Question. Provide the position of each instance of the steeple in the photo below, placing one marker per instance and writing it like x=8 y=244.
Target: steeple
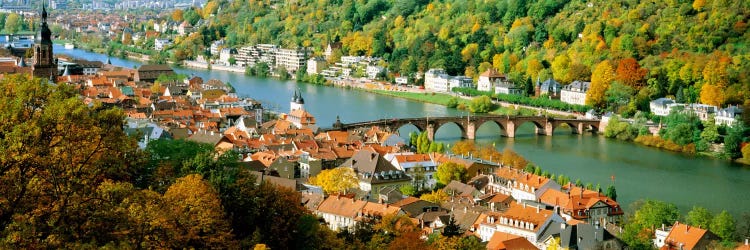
x=299 y=98
x=46 y=34
x=44 y=62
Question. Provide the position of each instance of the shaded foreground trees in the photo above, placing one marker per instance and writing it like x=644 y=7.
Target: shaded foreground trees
x=71 y=178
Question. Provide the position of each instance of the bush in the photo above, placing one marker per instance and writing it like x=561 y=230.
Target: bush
x=453 y=102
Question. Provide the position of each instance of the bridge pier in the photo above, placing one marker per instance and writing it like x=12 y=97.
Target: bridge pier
x=579 y=129
x=430 y=132
x=510 y=129
x=549 y=128
x=470 y=131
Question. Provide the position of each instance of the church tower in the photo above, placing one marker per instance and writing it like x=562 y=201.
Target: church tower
x=44 y=62
x=297 y=102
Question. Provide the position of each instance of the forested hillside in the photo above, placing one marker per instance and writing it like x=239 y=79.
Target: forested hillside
x=692 y=50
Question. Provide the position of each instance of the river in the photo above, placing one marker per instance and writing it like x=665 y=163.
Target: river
x=640 y=172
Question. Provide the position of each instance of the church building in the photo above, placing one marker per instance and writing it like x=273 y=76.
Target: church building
x=297 y=114
x=44 y=62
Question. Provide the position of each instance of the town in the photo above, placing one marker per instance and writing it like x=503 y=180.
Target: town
x=363 y=185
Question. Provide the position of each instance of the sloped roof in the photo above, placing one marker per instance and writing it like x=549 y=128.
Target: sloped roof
x=685 y=235
x=342 y=206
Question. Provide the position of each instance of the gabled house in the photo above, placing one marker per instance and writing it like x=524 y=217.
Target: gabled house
x=489 y=78
x=375 y=173
x=575 y=92
x=419 y=167
x=550 y=88
x=586 y=236
x=661 y=106
x=728 y=116
x=341 y=212
x=521 y=220
x=683 y=237
x=583 y=205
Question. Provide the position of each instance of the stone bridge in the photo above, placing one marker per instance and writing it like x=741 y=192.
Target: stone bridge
x=469 y=124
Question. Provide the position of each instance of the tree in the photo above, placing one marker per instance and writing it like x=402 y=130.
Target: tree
x=648 y=215
x=13 y=23
x=177 y=15
x=55 y=151
x=451 y=229
x=612 y=192
x=336 y=180
x=435 y=196
x=198 y=220
x=712 y=95
x=408 y=190
x=481 y=104
x=452 y=103
x=733 y=140
x=723 y=225
x=746 y=152
x=450 y=171
x=630 y=73
x=618 y=94
x=600 y=81
x=699 y=217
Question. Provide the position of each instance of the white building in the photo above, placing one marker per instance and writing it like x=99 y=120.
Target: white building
x=160 y=44
x=508 y=89
x=315 y=65
x=216 y=47
x=661 y=106
x=575 y=92
x=728 y=116
x=374 y=71
x=347 y=61
x=226 y=54
x=436 y=80
x=291 y=59
x=488 y=79
x=521 y=220
x=413 y=165
x=460 y=82
x=402 y=80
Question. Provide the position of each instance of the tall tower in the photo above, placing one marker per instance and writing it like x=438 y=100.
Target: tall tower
x=44 y=62
x=297 y=102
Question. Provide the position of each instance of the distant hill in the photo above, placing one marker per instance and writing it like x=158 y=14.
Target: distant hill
x=658 y=48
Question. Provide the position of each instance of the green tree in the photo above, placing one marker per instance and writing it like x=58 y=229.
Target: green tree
x=13 y=23
x=618 y=95
x=639 y=228
x=452 y=103
x=451 y=229
x=733 y=140
x=611 y=192
x=481 y=104
x=699 y=217
x=408 y=190
x=723 y=225
x=450 y=171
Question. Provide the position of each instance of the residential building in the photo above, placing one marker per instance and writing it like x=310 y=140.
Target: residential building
x=575 y=92
x=375 y=173
x=728 y=116
x=488 y=79
x=661 y=106
x=329 y=49
x=703 y=111
x=150 y=72
x=550 y=88
x=584 y=205
x=226 y=54
x=436 y=80
x=316 y=65
x=520 y=185
x=402 y=80
x=291 y=59
x=504 y=241
x=216 y=47
x=684 y=237
x=419 y=167
x=161 y=43
x=460 y=82
x=583 y=236
x=374 y=71
x=341 y=212
x=508 y=89
x=89 y=67
x=521 y=220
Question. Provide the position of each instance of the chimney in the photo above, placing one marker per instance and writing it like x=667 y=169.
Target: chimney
x=662 y=226
x=747 y=241
x=537 y=208
x=562 y=226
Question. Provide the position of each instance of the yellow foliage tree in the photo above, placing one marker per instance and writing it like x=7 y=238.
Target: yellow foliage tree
x=715 y=73
x=533 y=67
x=210 y=8
x=699 y=4
x=560 y=68
x=336 y=180
x=601 y=78
x=435 y=197
x=468 y=52
x=197 y=218
x=712 y=95
x=177 y=15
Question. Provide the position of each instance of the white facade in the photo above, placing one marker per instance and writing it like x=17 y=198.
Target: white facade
x=661 y=106
x=337 y=222
x=436 y=80
x=315 y=66
x=291 y=59
x=728 y=116
x=408 y=166
x=225 y=54
x=460 y=82
x=575 y=93
x=484 y=84
x=373 y=71
x=159 y=44
x=402 y=80
x=347 y=61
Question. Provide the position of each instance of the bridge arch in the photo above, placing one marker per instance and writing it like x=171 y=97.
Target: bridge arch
x=539 y=125
x=503 y=131
x=442 y=124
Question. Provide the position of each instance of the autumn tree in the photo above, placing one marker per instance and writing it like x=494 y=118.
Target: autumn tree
x=177 y=15
x=481 y=104
x=630 y=73
x=511 y=158
x=196 y=215
x=450 y=171
x=435 y=196
x=712 y=95
x=54 y=153
x=600 y=80
x=336 y=180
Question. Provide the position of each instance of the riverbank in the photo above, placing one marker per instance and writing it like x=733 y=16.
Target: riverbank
x=204 y=65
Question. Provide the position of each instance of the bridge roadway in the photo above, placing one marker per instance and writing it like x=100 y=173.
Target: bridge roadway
x=469 y=124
